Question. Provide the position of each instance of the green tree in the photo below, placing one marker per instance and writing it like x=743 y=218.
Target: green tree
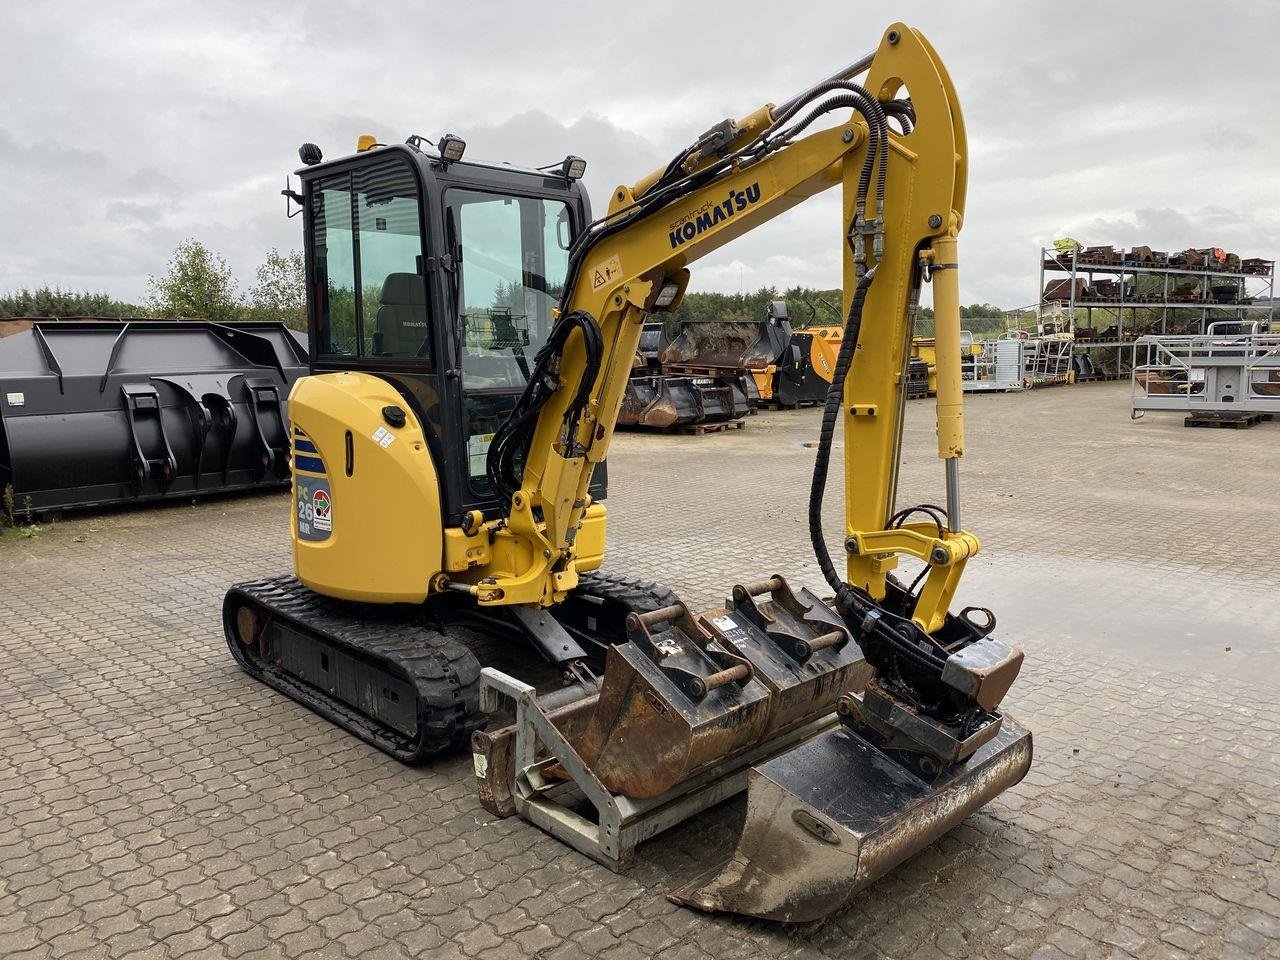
x=280 y=290
x=197 y=283
x=55 y=302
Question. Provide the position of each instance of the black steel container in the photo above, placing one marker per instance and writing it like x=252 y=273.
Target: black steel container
x=98 y=412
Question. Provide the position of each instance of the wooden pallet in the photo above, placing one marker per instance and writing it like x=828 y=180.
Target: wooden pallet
x=775 y=405
x=698 y=429
x=1228 y=421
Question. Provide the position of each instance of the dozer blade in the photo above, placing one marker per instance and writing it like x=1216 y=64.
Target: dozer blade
x=828 y=817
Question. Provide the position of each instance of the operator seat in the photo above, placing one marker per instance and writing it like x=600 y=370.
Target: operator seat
x=401 y=327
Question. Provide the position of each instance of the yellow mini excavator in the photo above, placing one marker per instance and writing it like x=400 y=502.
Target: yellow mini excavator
x=472 y=331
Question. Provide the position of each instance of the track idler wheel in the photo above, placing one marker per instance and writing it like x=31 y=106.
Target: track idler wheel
x=248 y=626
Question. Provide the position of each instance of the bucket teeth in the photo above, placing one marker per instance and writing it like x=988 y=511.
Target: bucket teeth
x=830 y=816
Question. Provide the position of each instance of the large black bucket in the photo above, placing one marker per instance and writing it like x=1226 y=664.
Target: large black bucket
x=99 y=412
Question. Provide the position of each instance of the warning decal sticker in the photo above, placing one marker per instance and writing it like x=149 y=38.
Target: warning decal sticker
x=323 y=510
x=610 y=270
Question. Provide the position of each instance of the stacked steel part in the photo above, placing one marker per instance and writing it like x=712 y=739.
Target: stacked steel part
x=710 y=373
x=663 y=400
x=653 y=341
x=101 y=412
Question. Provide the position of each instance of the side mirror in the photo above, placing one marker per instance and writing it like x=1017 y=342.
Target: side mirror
x=564 y=238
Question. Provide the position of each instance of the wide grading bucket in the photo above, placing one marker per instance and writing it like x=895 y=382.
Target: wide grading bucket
x=100 y=411
x=829 y=817
x=704 y=375
x=667 y=400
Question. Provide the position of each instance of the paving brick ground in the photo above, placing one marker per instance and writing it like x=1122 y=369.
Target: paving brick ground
x=156 y=802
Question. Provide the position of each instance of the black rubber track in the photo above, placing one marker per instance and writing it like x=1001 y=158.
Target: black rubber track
x=437 y=659
x=596 y=611
x=398 y=640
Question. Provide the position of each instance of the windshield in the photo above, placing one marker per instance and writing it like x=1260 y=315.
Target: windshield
x=513 y=260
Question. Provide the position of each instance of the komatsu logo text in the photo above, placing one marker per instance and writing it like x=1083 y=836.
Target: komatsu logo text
x=710 y=214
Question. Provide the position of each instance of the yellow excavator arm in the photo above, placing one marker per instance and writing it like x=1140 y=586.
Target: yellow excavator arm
x=634 y=261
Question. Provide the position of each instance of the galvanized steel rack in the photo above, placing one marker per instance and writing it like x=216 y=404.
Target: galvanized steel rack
x=1113 y=298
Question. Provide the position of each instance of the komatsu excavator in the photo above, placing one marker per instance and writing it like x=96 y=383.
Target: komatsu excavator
x=472 y=331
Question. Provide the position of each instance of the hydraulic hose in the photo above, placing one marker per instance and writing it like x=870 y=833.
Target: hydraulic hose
x=510 y=443
x=830 y=414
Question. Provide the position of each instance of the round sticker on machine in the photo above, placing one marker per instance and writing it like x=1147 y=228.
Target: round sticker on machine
x=323 y=510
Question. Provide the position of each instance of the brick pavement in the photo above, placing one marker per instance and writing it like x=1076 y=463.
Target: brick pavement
x=156 y=802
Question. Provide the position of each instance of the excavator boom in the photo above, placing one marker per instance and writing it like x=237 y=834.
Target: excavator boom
x=920 y=744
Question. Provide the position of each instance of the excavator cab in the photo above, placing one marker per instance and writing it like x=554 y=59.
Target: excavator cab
x=439 y=277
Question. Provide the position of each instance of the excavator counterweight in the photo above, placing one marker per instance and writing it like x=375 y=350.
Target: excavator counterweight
x=473 y=338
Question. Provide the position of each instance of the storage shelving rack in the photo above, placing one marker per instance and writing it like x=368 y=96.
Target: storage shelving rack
x=1144 y=299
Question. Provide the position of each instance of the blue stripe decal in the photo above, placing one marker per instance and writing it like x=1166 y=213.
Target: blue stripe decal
x=313 y=464
x=305 y=446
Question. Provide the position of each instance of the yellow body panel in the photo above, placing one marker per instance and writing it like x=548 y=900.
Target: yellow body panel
x=764 y=381
x=823 y=347
x=385 y=541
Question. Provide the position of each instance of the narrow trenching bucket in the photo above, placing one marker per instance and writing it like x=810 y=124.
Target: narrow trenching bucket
x=105 y=411
x=829 y=817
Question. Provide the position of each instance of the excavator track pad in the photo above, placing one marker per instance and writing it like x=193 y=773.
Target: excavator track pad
x=383 y=673
x=403 y=678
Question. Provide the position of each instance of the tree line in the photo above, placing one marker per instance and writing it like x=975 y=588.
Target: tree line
x=809 y=307
x=196 y=283
x=199 y=283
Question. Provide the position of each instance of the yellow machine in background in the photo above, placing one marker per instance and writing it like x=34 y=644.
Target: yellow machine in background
x=473 y=331
x=803 y=376
x=926 y=350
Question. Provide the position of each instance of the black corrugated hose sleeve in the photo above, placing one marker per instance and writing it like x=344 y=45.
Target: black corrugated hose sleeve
x=830 y=413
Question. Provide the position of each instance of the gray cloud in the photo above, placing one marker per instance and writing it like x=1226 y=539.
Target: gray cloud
x=126 y=128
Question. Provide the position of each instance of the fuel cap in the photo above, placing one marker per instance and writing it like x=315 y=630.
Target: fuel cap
x=394 y=416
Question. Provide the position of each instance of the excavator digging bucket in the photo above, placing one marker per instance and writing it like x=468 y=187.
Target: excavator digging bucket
x=666 y=401
x=726 y=345
x=687 y=693
x=830 y=816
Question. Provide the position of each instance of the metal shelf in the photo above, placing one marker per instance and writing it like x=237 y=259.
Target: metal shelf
x=1161 y=304
x=1124 y=315
x=1053 y=263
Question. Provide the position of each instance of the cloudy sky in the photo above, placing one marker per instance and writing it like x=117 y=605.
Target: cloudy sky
x=127 y=127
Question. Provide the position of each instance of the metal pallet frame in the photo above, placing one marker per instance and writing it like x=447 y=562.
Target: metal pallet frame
x=1209 y=310
x=621 y=823
x=1167 y=370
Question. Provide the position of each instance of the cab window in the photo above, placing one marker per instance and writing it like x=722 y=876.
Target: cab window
x=367 y=236
x=513 y=254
